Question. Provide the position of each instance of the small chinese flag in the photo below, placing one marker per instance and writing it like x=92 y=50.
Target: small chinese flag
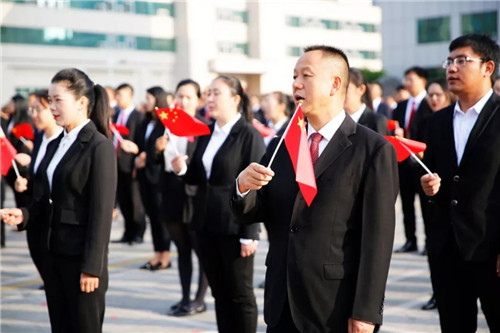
x=7 y=153
x=392 y=124
x=180 y=123
x=298 y=148
x=23 y=130
x=123 y=130
x=262 y=129
x=404 y=146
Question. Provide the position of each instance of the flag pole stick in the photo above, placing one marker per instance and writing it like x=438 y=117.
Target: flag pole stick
x=24 y=141
x=170 y=136
x=115 y=132
x=283 y=136
x=14 y=165
x=417 y=159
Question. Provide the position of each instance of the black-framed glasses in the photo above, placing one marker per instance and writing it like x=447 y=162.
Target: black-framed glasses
x=459 y=61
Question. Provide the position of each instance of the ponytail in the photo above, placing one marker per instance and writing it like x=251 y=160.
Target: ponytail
x=100 y=112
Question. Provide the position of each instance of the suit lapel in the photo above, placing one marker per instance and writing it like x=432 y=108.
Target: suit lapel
x=336 y=146
x=484 y=118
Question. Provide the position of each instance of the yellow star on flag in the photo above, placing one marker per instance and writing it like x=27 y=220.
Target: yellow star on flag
x=300 y=123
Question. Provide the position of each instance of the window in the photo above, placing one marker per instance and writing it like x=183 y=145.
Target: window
x=67 y=37
x=312 y=22
x=483 y=23
x=433 y=30
x=226 y=14
x=294 y=51
x=233 y=48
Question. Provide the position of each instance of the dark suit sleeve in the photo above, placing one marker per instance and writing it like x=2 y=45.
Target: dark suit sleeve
x=102 y=193
x=381 y=124
x=378 y=221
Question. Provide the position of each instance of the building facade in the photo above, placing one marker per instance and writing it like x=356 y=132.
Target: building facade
x=419 y=33
x=148 y=43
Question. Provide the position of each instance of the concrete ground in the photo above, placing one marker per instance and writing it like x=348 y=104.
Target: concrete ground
x=138 y=300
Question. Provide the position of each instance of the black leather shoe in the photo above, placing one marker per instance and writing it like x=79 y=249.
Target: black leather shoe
x=262 y=285
x=410 y=246
x=430 y=305
x=121 y=240
x=200 y=308
x=136 y=240
x=183 y=311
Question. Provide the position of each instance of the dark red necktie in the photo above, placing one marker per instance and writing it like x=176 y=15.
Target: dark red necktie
x=412 y=114
x=315 y=139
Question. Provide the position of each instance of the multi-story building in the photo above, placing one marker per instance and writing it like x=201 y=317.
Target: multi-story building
x=150 y=43
x=419 y=33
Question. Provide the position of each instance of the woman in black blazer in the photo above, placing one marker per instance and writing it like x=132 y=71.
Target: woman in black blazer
x=226 y=247
x=73 y=194
x=44 y=122
x=177 y=204
x=148 y=176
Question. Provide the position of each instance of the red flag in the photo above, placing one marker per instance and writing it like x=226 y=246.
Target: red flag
x=263 y=130
x=123 y=130
x=298 y=148
x=23 y=130
x=392 y=125
x=400 y=143
x=7 y=153
x=180 y=123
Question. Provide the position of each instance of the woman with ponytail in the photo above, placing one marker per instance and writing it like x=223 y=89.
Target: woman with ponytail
x=226 y=247
x=73 y=197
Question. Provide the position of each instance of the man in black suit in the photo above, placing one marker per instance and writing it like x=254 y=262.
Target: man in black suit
x=379 y=106
x=327 y=264
x=128 y=195
x=463 y=141
x=410 y=115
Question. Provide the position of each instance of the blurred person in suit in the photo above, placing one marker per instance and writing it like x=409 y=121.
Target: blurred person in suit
x=73 y=196
x=276 y=110
x=463 y=236
x=379 y=106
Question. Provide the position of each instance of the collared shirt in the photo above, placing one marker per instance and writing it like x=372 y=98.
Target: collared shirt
x=218 y=137
x=43 y=149
x=122 y=119
x=62 y=149
x=463 y=122
x=356 y=115
x=177 y=145
x=275 y=127
x=376 y=102
x=417 y=99
x=149 y=129
x=327 y=131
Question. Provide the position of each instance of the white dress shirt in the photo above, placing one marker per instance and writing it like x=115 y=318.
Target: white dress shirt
x=62 y=149
x=122 y=119
x=463 y=122
x=327 y=131
x=177 y=145
x=356 y=115
x=375 y=103
x=149 y=129
x=417 y=99
x=275 y=127
x=43 y=149
x=218 y=137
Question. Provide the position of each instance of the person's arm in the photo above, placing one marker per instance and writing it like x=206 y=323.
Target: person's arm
x=380 y=190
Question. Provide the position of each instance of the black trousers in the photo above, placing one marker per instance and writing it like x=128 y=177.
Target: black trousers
x=457 y=286
x=231 y=279
x=37 y=248
x=152 y=201
x=408 y=188
x=286 y=323
x=71 y=310
x=129 y=201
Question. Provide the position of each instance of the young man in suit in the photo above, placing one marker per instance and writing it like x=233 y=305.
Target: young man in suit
x=410 y=114
x=379 y=106
x=128 y=195
x=327 y=264
x=463 y=238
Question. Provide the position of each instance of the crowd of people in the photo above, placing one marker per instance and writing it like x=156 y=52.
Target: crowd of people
x=328 y=261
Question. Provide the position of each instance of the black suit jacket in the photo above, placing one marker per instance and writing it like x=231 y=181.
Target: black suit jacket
x=78 y=211
x=467 y=205
x=374 y=121
x=126 y=160
x=416 y=127
x=212 y=213
x=332 y=258
x=152 y=171
x=384 y=110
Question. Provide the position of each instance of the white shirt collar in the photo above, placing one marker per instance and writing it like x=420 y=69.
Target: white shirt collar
x=356 y=115
x=129 y=109
x=44 y=138
x=328 y=131
x=417 y=99
x=478 y=107
x=228 y=126
x=276 y=127
x=74 y=132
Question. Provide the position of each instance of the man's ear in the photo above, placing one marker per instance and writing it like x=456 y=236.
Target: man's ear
x=489 y=68
x=336 y=84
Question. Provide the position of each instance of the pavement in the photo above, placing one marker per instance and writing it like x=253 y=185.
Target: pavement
x=138 y=300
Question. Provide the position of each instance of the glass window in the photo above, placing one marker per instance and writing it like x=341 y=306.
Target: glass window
x=483 y=23
x=293 y=21
x=226 y=14
x=294 y=51
x=433 y=30
x=232 y=48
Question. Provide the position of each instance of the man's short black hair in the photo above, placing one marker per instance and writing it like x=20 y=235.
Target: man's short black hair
x=329 y=50
x=421 y=72
x=482 y=45
x=125 y=85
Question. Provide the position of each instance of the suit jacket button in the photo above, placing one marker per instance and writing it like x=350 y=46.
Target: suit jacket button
x=294 y=229
x=454 y=202
x=456 y=178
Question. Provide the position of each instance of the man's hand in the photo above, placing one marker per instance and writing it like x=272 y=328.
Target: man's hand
x=129 y=147
x=430 y=184
x=12 y=216
x=399 y=132
x=29 y=144
x=140 y=161
x=254 y=177
x=88 y=283
x=359 y=326
x=21 y=184
x=179 y=163
x=23 y=159
x=161 y=143
x=248 y=249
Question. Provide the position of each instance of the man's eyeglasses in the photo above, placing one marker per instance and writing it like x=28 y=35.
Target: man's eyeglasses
x=460 y=61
